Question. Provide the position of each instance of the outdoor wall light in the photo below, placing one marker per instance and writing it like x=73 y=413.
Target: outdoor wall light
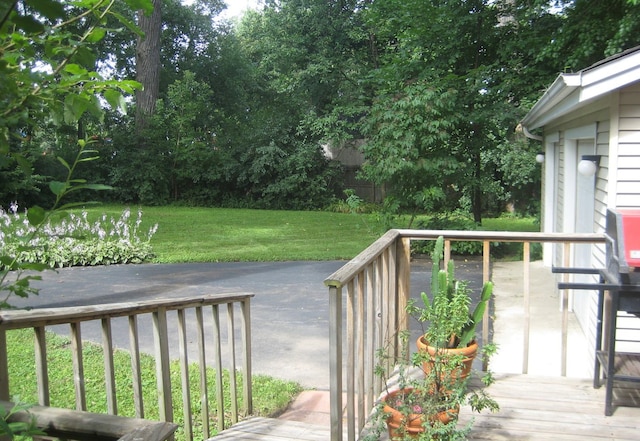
x=588 y=165
x=540 y=157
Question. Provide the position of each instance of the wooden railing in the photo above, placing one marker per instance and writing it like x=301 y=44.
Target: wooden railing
x=198 y=331
x=77 y=425
x=373 y=289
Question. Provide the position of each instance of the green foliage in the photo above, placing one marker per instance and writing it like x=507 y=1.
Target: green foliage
x=72 y=240
x=448 y=221
x=16 y=428
x=48 y=67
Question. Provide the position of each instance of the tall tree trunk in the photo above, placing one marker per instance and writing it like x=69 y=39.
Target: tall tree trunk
x=148 y=64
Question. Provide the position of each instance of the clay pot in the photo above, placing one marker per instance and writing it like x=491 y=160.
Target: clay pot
x=468 y=354
x=400 y=425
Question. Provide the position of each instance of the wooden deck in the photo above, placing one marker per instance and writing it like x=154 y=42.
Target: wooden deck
x=532 y=408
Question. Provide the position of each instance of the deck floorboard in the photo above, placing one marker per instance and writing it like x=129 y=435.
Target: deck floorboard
x=531 y=408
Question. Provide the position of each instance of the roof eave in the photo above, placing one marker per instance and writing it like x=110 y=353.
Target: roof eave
x=561 y=88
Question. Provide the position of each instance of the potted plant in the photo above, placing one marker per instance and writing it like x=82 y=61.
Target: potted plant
x=424 y=405
x=451 y=325
x=426 y=391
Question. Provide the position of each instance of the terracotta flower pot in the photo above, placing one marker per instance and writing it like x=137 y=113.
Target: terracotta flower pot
x=468 y=354
x=400 y=425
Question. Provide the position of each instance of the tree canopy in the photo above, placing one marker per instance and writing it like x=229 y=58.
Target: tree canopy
x=430 y=91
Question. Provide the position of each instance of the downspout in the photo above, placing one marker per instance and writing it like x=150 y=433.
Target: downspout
x=527 y=133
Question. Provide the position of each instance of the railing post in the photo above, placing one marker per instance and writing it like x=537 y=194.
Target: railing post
x=335 y=361
x=351 y=360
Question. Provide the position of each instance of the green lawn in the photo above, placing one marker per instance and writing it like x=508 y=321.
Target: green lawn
x=222 y=235
x=188 y=234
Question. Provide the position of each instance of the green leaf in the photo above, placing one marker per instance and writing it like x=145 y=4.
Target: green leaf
x=58 y=188
x=74 y=106
x=71 y=205
x=115 y=100
x=62 y=161
x=99 y=187
x=35 y=266
x=49 y=8
x=28 y=24
x=96 y=35
x=36 y=215
x=145 y=5
x=128 y=23
x=75 y=69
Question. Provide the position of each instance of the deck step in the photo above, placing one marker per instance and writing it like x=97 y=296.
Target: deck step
x=270 y=429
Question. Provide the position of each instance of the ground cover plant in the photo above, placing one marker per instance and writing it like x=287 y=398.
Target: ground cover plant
x=70 y=239
x=270 y=395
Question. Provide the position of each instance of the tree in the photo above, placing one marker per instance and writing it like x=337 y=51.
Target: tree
x=48 y=72
x=592 y=30
x=148 y=63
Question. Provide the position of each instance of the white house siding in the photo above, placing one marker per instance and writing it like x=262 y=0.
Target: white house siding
x=559 y=185
x=628 y=185
x=628 y=178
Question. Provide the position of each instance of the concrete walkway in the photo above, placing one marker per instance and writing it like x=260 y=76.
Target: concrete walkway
x=312 y=407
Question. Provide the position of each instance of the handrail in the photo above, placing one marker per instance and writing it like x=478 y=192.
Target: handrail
x=208 y=351
x=21 y=318
x=348 y=271
x=373 y=289
x=78 y=425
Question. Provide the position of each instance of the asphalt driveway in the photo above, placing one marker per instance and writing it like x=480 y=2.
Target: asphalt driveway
x=289 y=313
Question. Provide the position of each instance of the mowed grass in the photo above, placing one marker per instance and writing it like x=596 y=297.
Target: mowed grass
x=226 y=235
x=270 y=395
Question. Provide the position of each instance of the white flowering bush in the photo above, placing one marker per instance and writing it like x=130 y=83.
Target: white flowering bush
x=72 y=240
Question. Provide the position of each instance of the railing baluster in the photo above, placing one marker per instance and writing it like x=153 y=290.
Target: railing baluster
x=231 y=342
x=109 y=371
x=360 y=331
x=184 y=374
x=351 y=356
x=566 y=253
x=42 y=373
x=486 y=273
x=245 y=307
x=202 y=360
x=163 y=371
x=370 y=341
x=78 y=366
x=4 y=367
x=527 y=306
x=136 y=373
x=217 y=353
x=403 y=275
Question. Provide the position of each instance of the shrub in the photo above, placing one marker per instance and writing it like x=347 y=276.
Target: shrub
x=72 y=240
x=449 y=221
